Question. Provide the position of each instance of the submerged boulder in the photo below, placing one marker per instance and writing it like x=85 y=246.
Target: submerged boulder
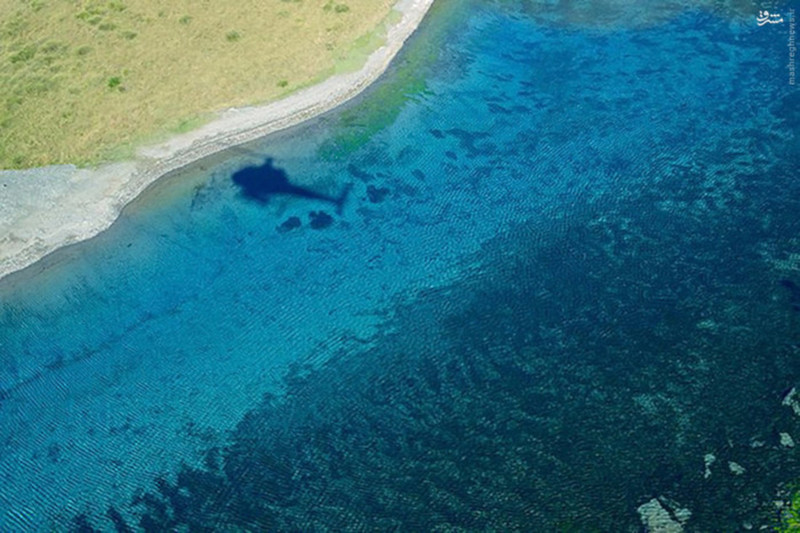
x=658 y=518
x=289 y=224
x=320 y=219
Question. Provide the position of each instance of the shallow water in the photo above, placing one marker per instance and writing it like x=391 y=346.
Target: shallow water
x=555 y=287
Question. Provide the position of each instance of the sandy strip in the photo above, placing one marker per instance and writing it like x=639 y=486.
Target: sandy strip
x=44 y=209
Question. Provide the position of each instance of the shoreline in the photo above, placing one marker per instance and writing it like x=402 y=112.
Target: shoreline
x=48 y=208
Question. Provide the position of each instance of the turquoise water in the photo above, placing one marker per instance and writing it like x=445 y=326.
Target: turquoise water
x=566 y=273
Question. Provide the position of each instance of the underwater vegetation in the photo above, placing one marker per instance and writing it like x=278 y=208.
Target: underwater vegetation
x=790 y=516
x=576 y=369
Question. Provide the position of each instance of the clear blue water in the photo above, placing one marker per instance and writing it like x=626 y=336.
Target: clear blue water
x=567 y=270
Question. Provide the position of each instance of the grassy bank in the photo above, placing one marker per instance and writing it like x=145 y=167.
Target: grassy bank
x=83 y=81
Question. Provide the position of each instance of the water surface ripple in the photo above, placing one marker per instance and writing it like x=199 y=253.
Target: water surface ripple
x=563 y=279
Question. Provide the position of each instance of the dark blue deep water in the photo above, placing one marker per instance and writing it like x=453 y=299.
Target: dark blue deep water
x=564 y=281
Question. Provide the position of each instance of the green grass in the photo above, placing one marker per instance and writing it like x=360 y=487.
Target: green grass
x=355 y=55
x=85 y=80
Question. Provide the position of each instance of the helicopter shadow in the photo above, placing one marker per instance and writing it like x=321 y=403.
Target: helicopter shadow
x=260 y=183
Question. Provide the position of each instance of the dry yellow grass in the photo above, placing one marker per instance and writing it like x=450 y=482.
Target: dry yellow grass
x=82 y=81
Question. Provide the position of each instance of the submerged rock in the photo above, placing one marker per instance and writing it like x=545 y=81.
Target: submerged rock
x=735 y=468
x=376 y=194
x=657 y=518
x=358 y=173
x=289 y=224
x=790 y=400
x=708 y=460
x=320 y=219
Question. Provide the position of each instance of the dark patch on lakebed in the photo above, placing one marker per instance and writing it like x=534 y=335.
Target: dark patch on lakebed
x=289 y=224
x=376 y=194
x=794 y=293
x=320 y=220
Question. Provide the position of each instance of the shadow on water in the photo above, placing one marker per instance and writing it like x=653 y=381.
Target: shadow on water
x=794 y=293
x=259 y=183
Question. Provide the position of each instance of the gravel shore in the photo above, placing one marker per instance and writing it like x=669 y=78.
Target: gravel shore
x=44 y=209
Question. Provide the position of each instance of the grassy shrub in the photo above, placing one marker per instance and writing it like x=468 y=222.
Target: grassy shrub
x=24 y=55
